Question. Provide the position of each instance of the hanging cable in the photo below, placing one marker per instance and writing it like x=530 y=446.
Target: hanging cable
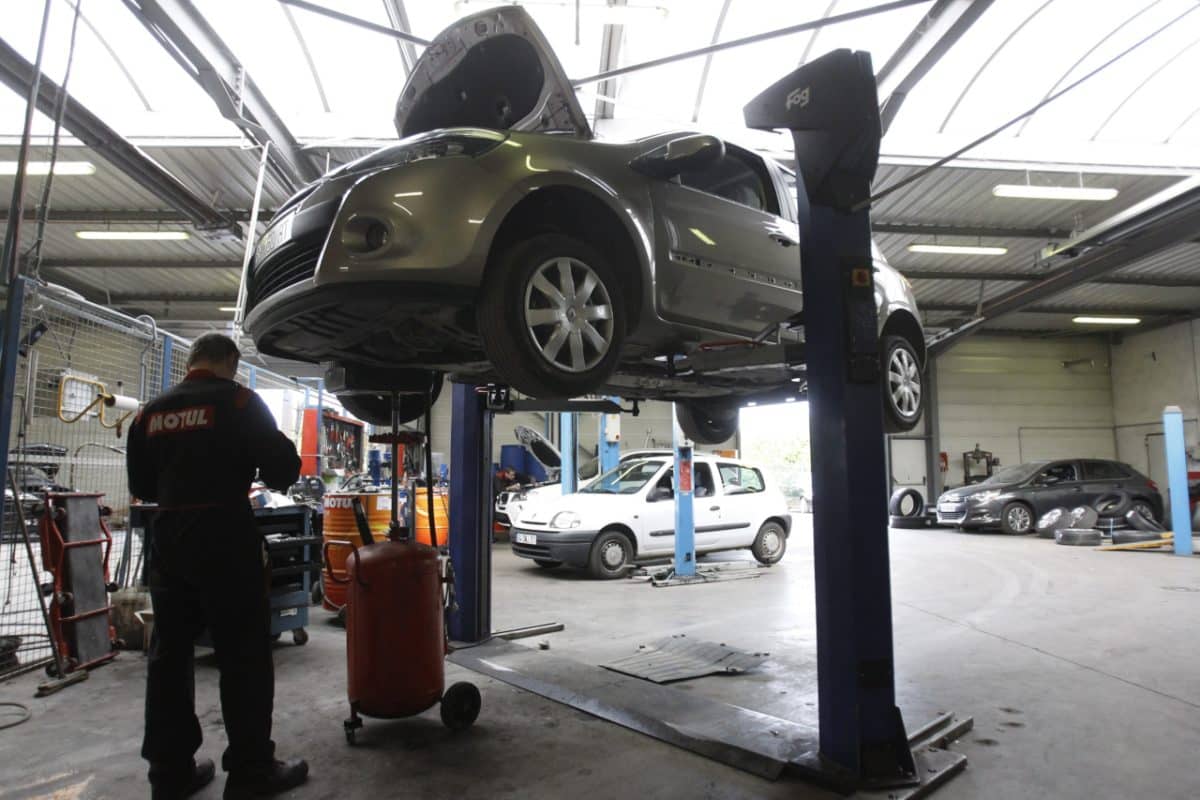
x=941 y=162
x=22 y=714
x=33 y=255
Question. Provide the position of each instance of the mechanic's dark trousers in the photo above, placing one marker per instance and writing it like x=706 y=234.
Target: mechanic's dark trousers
x=207 y=570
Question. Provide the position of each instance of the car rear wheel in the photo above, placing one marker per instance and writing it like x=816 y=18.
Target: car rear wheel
x=707 y=422
x=902 y=388
x=1016 y=519
x=770 y=544
x=552 y=316
x=1146 y=510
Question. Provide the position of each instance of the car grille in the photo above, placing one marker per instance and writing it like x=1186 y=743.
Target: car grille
x=292 y=263
x=531 y=550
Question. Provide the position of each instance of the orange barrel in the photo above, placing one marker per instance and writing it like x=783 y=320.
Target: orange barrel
x=395 y=642
x=341 y=531
x=441 y=516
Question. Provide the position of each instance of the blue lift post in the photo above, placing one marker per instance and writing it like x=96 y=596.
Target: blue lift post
x=568 y=445
x=1177 y=479
x=831 y=108
x=167 y=356
x=685 y=523
x=10 y=348
x=471 y=514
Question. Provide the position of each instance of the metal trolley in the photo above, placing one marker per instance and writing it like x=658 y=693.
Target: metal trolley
x=292 y=549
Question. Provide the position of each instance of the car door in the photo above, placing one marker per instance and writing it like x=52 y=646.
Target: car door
x=1101 y=477
x=1057 y=485
x=727 y=257
x=742 y=488
x=658 y=516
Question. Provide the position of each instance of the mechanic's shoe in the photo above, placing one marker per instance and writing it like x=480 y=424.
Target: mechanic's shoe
x=202 y=775
x=274 y=779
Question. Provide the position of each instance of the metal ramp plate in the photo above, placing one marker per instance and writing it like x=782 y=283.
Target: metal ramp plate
x=677 y=658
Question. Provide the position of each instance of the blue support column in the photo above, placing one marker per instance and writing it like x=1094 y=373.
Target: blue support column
x=168 y=354
x=1177 y=478
x=9 y=355
x=610 y=452
x=685 y=522
x=252 y=378
x=471 y=514
x=567 y=446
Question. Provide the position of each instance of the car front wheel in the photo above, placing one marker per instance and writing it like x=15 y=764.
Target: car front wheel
x=902 y=388
x=1016 y=519
x=770 y=544
x=612 y=555
x=552 y=316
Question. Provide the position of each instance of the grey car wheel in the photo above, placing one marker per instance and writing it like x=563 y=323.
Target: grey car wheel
x=612 y=554
x=1016 y=518
x=569 y=314
x=902 y=388
x=770 y=544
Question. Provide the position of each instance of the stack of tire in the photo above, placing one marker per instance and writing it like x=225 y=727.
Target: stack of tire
x=907 y=510
x=1085 y=526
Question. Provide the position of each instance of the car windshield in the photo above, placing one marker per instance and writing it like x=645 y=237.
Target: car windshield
x=1014 y=474
x=626 y=478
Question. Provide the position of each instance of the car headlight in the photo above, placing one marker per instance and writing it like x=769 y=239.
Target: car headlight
x=986 y=497
x=565 y=519
x=519 y=496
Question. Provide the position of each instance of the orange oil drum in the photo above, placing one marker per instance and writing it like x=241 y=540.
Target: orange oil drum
x=441 y=516
x=395 y=639
x=341 y=532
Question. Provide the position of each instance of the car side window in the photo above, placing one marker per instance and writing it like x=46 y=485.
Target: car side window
x=703 y=481
x=1103 y=471
x=1058 y=473
x=737 y=179
x=740 y=480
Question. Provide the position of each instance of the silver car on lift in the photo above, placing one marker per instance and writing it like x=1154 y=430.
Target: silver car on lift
x=498 y=240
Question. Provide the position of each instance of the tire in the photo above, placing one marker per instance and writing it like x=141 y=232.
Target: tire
x=611 y=556
x=299 y=637
x=707 y=423
x=546 y=563
x=1078 y=537
x=910 y=523
x=1053 y=520
x=770 y=544
x=1139 y=522
x=460 y=706
x=376 y=409
x=1113 y=504
x=1016 y=519
x=896 y=506
x=519 y=322
x=1137 y=537
x=1083 y=517
x=903 y=390
x=1145 y=509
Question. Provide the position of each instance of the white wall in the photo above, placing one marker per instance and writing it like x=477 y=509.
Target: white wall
x=1149 y=371
x=1016 y=398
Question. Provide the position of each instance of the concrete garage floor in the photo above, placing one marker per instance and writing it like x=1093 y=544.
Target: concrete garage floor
x=1079 y=668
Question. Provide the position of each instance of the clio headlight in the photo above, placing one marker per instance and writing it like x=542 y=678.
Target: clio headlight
x=565 y=519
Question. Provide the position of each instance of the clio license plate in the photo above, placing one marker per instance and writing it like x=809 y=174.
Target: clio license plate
x=525 y=538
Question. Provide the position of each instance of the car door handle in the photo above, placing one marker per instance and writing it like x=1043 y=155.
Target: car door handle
x=780 y=239
x=714 y=508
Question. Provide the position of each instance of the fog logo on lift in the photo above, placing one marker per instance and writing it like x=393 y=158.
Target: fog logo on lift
x=798 y=97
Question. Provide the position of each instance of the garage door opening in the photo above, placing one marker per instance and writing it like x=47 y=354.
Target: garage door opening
x=775 y=438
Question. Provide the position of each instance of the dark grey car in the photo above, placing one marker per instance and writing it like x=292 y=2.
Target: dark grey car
x=1015 y=497
x=498 y=240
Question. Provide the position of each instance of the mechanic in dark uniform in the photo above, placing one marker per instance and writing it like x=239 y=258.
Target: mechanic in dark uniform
x=194 y=450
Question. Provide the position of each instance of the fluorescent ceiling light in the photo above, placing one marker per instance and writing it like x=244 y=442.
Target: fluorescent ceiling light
x=958 y=249
x=129 y=235
x=43 y=168
x=1024 y=191
x=1106 y=320
x=230 y=309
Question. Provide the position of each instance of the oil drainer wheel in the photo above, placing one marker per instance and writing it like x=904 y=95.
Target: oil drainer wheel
x=460 y=706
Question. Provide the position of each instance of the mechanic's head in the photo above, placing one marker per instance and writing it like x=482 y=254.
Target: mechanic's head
x=216 y=353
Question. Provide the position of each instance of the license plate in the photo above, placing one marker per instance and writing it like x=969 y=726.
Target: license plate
x=525 y=538
x=949 y=508
x=275 y=237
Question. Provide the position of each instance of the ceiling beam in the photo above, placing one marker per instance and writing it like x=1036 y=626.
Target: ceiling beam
x=398 y=17
x=1169 y=281
x=130 y=215
x=922 y=229
x=118 y=263
x=610 y=54
x=1158 y=226
x=1089 y=310
x=191 y=41
x=921 y=50
x=18 y=74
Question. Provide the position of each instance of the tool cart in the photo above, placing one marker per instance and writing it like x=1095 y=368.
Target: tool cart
x=292 y=549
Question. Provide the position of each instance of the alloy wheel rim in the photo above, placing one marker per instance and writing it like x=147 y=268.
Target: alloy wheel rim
x=613 y=555
x=1019 y=519
x=569 y=314
x=904 y=382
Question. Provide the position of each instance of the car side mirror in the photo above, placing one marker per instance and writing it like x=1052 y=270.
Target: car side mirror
x=679 y=155
x=659 y=493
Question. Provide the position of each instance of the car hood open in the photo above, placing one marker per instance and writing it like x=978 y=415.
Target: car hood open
x=493 y=69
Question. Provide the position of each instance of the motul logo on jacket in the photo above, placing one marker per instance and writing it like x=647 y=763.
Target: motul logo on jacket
x=185 y=419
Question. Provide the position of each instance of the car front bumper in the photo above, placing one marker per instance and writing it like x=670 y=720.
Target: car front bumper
x=968 y=515
x=572 y=548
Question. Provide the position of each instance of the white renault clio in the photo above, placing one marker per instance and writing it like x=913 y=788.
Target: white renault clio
x=628 y=514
